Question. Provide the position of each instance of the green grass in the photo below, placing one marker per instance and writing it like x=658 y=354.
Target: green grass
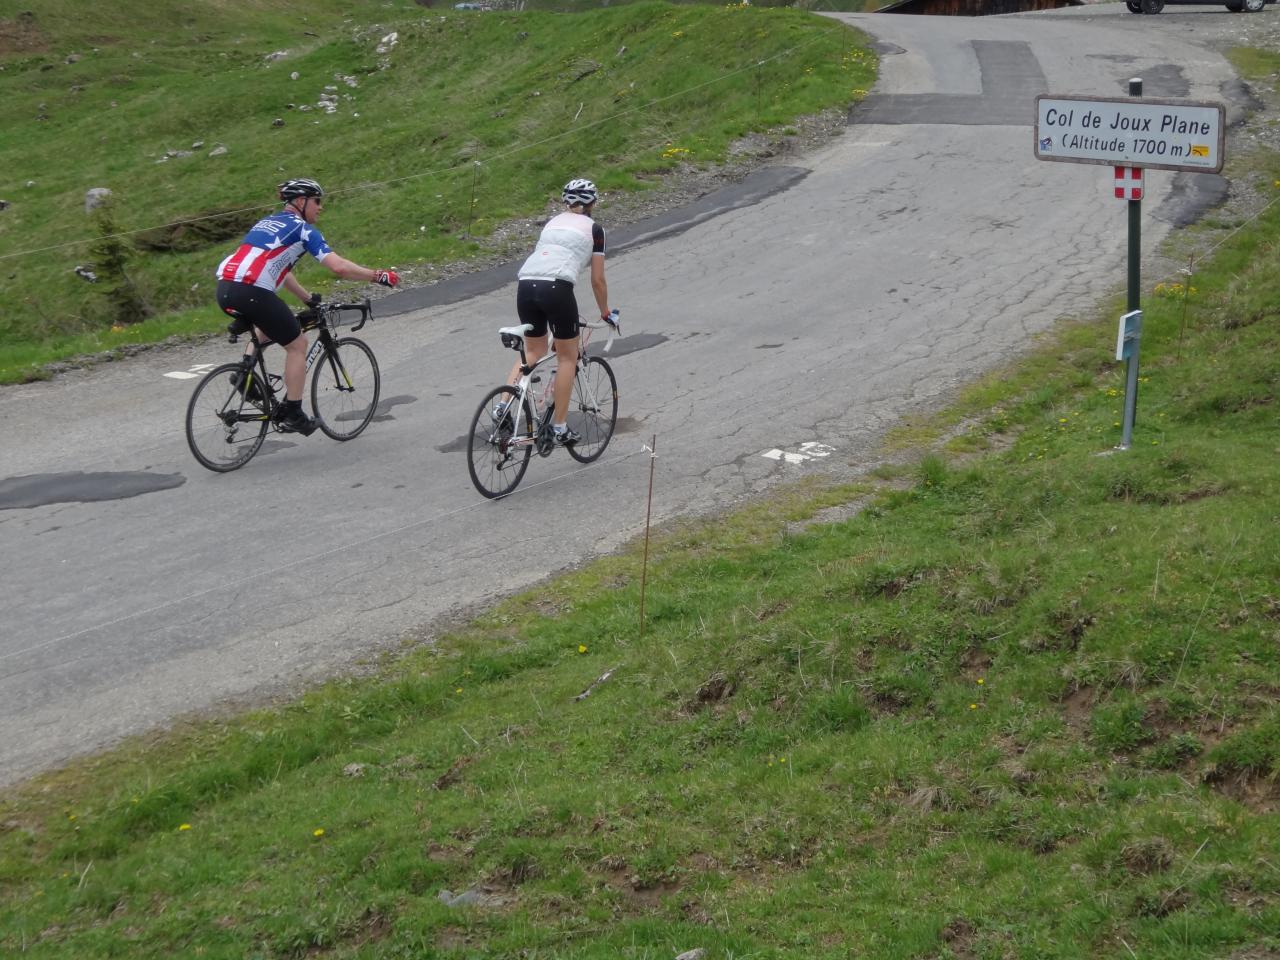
x=1023 y=704
x=470 y=120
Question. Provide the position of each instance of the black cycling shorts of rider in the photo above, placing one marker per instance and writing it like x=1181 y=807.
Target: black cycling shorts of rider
x=261 y=307
x=548 y=303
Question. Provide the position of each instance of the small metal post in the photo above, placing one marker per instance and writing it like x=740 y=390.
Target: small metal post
x=648 y=512
x=1134 y=301
x=471 y=210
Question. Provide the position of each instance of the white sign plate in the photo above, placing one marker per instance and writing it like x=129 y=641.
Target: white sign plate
x=1172 y=135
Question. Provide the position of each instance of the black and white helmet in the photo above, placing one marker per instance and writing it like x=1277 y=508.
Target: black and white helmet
x=579 y=191
x=302 y=187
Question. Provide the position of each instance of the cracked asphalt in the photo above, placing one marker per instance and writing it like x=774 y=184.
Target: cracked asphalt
x=856 y=285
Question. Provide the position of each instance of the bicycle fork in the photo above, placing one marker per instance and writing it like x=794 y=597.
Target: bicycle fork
x=341 y=379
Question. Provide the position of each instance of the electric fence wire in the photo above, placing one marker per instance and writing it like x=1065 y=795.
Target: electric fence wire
x=438 y=172
x=1203 y=255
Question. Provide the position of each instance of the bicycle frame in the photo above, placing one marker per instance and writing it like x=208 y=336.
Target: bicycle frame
x=321 y=320
x=538 y=399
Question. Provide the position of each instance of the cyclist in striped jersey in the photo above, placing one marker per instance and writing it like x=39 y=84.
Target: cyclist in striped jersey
x=249 y=278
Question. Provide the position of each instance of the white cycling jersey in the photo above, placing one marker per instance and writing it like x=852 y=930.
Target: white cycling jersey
x=565 y=247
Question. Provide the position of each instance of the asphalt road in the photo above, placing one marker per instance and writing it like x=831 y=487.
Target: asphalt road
x=921 y=248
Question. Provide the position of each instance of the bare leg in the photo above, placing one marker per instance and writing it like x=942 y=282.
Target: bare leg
x=295 y=367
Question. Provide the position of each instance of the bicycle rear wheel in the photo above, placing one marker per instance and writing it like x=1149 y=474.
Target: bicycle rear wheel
x=224 y=427
x=593 y=409
x=345 y=388
x=499 y=447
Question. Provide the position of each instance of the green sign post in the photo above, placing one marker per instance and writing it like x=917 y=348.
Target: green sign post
x=1131 y=135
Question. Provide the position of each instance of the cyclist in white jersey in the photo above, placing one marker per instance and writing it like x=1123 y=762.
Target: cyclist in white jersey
x=569 y=242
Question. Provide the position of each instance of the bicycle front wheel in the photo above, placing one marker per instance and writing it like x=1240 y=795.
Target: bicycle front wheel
x=500 y=442
x=345 y=388
x=593 y=409
x=224 y=427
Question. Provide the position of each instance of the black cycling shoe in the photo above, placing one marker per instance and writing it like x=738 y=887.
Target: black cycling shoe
x=254 y=393
x=293 y=420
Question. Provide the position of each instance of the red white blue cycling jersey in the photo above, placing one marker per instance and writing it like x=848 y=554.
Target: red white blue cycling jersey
x=269 y=251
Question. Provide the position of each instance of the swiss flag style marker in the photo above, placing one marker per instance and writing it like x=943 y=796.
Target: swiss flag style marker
x=1128 y=183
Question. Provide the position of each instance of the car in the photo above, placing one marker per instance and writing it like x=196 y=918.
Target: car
x=1235 y=6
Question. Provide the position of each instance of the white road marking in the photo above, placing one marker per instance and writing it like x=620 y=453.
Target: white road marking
x=809 y=450
x=190 y=373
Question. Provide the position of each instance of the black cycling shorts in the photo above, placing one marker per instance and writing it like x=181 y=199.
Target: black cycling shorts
x=546 y=303
x=260 y=307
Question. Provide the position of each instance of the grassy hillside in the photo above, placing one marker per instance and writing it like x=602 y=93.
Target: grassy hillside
x=1018 y=699
x=466 y=120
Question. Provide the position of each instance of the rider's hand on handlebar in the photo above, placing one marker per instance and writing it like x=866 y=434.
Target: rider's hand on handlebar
x=611 y=318
x=387 y=278
x=313 y=301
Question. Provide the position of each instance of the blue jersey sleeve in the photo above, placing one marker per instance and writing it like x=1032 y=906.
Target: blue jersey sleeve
x=314 y=242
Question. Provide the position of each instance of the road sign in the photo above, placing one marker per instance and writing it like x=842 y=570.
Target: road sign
x=1128 y=183
x=1166 y=135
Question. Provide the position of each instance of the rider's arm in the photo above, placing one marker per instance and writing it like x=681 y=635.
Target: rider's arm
x=348 y=270
x=598 y=286
x=298 y=290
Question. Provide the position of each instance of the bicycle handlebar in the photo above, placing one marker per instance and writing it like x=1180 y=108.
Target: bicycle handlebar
x=513 y=337
x=311 y=318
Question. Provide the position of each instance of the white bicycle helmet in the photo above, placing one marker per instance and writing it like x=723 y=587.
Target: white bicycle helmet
x=579 y=191
x=301 y=187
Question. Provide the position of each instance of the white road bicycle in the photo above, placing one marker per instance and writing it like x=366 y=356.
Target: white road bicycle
x=513 y=422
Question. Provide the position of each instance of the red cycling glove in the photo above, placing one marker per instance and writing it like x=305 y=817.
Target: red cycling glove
x=388 y=278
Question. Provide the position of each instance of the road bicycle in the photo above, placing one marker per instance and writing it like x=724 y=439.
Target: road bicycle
x=513 y=422
x=235 y=404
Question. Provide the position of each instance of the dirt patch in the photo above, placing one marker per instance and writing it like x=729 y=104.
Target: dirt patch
x=960 y=936
x=716 y=689
x=1078 y=707
x=22 y=35
x=1258 y=794
x=638 y=895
